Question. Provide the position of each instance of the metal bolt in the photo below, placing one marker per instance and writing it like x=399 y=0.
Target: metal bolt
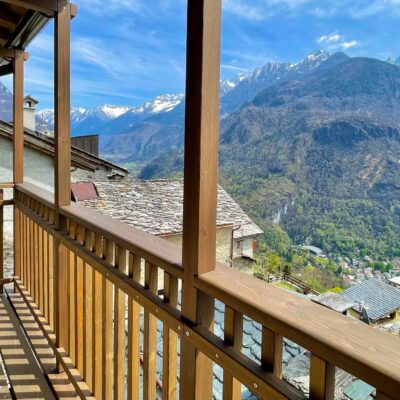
x=156 y=309
x=187 y=333
x=255 y=386
x=216 y=356
x=179 y=328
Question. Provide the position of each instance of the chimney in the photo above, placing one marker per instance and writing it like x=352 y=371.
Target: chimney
x=30 y=112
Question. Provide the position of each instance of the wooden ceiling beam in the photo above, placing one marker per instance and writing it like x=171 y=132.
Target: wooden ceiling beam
x=10 y=53
x=48 y=7
x=7 y=16
x=4 y=33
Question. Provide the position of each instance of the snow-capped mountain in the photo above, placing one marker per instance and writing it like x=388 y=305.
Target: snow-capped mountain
x=111 y=120
x=273 y=73
x=96 y=120
x=229 y=84
x=6 y=101
x=394 y=61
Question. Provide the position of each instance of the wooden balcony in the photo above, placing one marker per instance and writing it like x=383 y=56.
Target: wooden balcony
x=91 y=285
x=112 y=278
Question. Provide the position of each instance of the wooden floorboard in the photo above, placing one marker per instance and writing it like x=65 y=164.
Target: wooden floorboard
x=29 y=360
x=23 y=371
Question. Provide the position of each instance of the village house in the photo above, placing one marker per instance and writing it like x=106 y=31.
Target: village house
x=375 y=302
x=156 y=207
x=335 y=302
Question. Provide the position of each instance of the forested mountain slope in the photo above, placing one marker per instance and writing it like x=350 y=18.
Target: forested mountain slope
x=320 y=155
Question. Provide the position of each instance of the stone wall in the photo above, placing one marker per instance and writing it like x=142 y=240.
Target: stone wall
x=243 y=247
x=224 y=237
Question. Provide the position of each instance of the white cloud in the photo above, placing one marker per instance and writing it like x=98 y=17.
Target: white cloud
x=335 y=41
x=332 y=38
x=347 y=45
x=258 y=10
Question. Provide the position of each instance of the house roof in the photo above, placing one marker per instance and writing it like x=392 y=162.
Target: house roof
x=313 y=249
x=45 y=144
x=334 y=302
x=247 y=230
x=376 y=297
x=157 y=206
x=30 y=98
x=395 y=280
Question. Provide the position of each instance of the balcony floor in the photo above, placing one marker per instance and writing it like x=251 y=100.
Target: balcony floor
x=27 y=361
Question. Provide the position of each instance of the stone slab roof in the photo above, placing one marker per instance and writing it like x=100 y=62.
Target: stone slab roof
x=334 y=302
x=376 y=297
x=157 y=206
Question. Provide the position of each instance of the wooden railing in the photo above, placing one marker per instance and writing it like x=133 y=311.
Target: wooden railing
x=113 y=276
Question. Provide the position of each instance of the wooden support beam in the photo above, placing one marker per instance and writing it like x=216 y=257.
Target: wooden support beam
x=18 y=116
x=13 y=54
x=48 y=7
x=18 y=147
x=62 y=166
x=62 y=109
x=200 y=184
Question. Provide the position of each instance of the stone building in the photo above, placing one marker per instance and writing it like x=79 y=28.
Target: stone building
x=157 y=207
x=153 y=206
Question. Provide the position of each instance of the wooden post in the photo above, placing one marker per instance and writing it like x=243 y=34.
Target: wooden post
x=18 y=116
x=200 y=184
x=18 y=148
x=62 y=167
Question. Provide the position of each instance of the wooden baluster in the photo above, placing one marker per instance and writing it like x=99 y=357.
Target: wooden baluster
x=233 y=336
x=108 y=355
x=18 y=247
x=80 y=306
x=89 y=315
x=40 y=265
x=271 y=352
x=322 y=379
x=170 y=342
x=51 y=275
x=1 y=238
x=46 y=267
x=150 y=338
x=134 y=333
x=36 y=262
x=23 y=248
x=119 y=330
x=98 y=323
x=32 y=258
x=72 y=297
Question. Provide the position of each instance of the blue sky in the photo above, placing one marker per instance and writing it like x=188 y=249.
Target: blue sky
x=128 y=51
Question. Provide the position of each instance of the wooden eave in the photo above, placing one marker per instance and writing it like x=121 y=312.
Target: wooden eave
x=19 y=26
x=80 y=158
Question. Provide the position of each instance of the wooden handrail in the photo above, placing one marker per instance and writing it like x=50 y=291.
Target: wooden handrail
x=350 y=344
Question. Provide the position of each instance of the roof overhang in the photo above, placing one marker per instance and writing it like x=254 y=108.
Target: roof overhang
x=21 y=21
